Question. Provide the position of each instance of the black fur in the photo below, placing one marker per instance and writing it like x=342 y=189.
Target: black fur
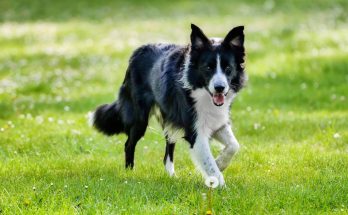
x=107 y=119
x=154 y=77
x=170 y=146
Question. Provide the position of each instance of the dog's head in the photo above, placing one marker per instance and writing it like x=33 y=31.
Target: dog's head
x=216 y=64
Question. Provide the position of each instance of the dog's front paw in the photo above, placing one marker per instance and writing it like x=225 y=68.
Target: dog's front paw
x=214 y=181
x=221 y=180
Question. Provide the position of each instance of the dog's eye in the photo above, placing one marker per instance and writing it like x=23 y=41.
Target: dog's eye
x=208 y=68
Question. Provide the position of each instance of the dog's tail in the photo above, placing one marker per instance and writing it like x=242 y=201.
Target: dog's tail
x=107 y=119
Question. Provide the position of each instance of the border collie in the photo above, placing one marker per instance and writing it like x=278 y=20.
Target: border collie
x=192 y=88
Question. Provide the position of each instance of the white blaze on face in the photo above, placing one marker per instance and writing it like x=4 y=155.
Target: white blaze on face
x=218 y=79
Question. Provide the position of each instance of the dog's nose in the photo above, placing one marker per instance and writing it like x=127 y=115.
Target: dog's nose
x=219 y=88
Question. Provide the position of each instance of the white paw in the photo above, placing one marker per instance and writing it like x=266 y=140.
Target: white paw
x=171 y=173
x=221 y=180
x=219 y=177
x=170 y=167
x=211 y=181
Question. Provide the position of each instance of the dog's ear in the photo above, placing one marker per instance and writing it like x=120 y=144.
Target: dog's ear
x=235 y=38
x=198 y=39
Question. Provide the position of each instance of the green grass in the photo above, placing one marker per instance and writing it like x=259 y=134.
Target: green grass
x=60 y=59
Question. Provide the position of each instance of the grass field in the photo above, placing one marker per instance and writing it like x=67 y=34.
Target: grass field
x=60 y=59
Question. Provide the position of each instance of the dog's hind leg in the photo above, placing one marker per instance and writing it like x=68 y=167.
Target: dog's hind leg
x=135 y=133
x=169 y=156
x=141 y=103
x=225 y=136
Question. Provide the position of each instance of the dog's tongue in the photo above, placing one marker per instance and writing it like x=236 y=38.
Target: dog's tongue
x=218 y=99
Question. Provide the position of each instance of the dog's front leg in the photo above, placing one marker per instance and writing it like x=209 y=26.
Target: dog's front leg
x=204 y=160
x=227 y=138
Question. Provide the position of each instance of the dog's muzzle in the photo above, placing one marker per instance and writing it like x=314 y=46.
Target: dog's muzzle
x=218 y=97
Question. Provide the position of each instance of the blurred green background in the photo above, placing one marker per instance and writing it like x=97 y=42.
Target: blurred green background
x=60 y=59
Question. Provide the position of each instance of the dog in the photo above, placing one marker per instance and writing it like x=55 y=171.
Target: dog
x=191 y=87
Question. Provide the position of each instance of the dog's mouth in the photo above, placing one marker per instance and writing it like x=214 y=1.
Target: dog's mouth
x=218 y=99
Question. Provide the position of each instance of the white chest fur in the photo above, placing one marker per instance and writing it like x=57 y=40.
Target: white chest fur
x=209 y=116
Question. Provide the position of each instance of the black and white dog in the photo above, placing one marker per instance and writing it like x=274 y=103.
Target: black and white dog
x=192 y=87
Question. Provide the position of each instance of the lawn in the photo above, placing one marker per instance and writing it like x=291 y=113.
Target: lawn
x=60 y=59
